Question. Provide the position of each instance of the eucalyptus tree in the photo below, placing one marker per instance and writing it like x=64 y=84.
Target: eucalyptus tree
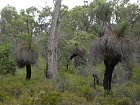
x=8 y=14
x=75 y=27
x=8 y=24
x=44 y=19
x=52 y=63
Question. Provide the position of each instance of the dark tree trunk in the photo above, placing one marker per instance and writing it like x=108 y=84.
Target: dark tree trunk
x=28 y=72
x=110 y=63
x=96 y=79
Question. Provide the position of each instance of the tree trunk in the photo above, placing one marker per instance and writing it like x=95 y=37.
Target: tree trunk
x=110 y=63
x=28 y=72
x=52 y=65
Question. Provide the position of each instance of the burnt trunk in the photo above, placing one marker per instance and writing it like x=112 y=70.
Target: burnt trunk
x=28 y=72
x=96 y=79
x=110 y=63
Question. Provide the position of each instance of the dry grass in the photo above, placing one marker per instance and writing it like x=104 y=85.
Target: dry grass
x=25 y=55
x=127 y=48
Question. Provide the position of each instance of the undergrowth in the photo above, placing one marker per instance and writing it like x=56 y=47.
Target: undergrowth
x=69 y=89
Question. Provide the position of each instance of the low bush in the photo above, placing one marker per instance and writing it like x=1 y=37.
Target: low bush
x=7 y=61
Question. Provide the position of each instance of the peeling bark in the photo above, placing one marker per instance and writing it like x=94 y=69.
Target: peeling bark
x=52 y=65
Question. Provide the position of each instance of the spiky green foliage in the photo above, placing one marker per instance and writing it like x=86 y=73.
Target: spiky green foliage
x=112 y=46
x=103 y=10
x=25 y=55
x=121 y=28
x=99 y=31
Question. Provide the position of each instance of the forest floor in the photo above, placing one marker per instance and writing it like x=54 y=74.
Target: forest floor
x=70 y=88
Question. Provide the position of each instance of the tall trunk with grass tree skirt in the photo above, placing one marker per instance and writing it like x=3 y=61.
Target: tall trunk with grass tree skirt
x=112 y=49
x=28 y=67
x=26 y=55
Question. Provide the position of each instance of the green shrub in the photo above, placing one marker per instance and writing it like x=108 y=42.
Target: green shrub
x=129 y=89
x=52 y=98
x=112 y=100
x=136 y=75
x=7 y=61
x=48 y=98
x=69 y=98
x=87 y=93
x=123 y=101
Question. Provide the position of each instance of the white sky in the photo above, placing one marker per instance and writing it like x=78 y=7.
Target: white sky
x=23 y=4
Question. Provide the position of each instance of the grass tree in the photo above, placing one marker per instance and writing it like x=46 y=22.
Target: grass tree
x=26 y=55
x=111 y=48
x=79 y=56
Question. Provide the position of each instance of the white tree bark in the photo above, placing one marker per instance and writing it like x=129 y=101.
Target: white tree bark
x=52 y=69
